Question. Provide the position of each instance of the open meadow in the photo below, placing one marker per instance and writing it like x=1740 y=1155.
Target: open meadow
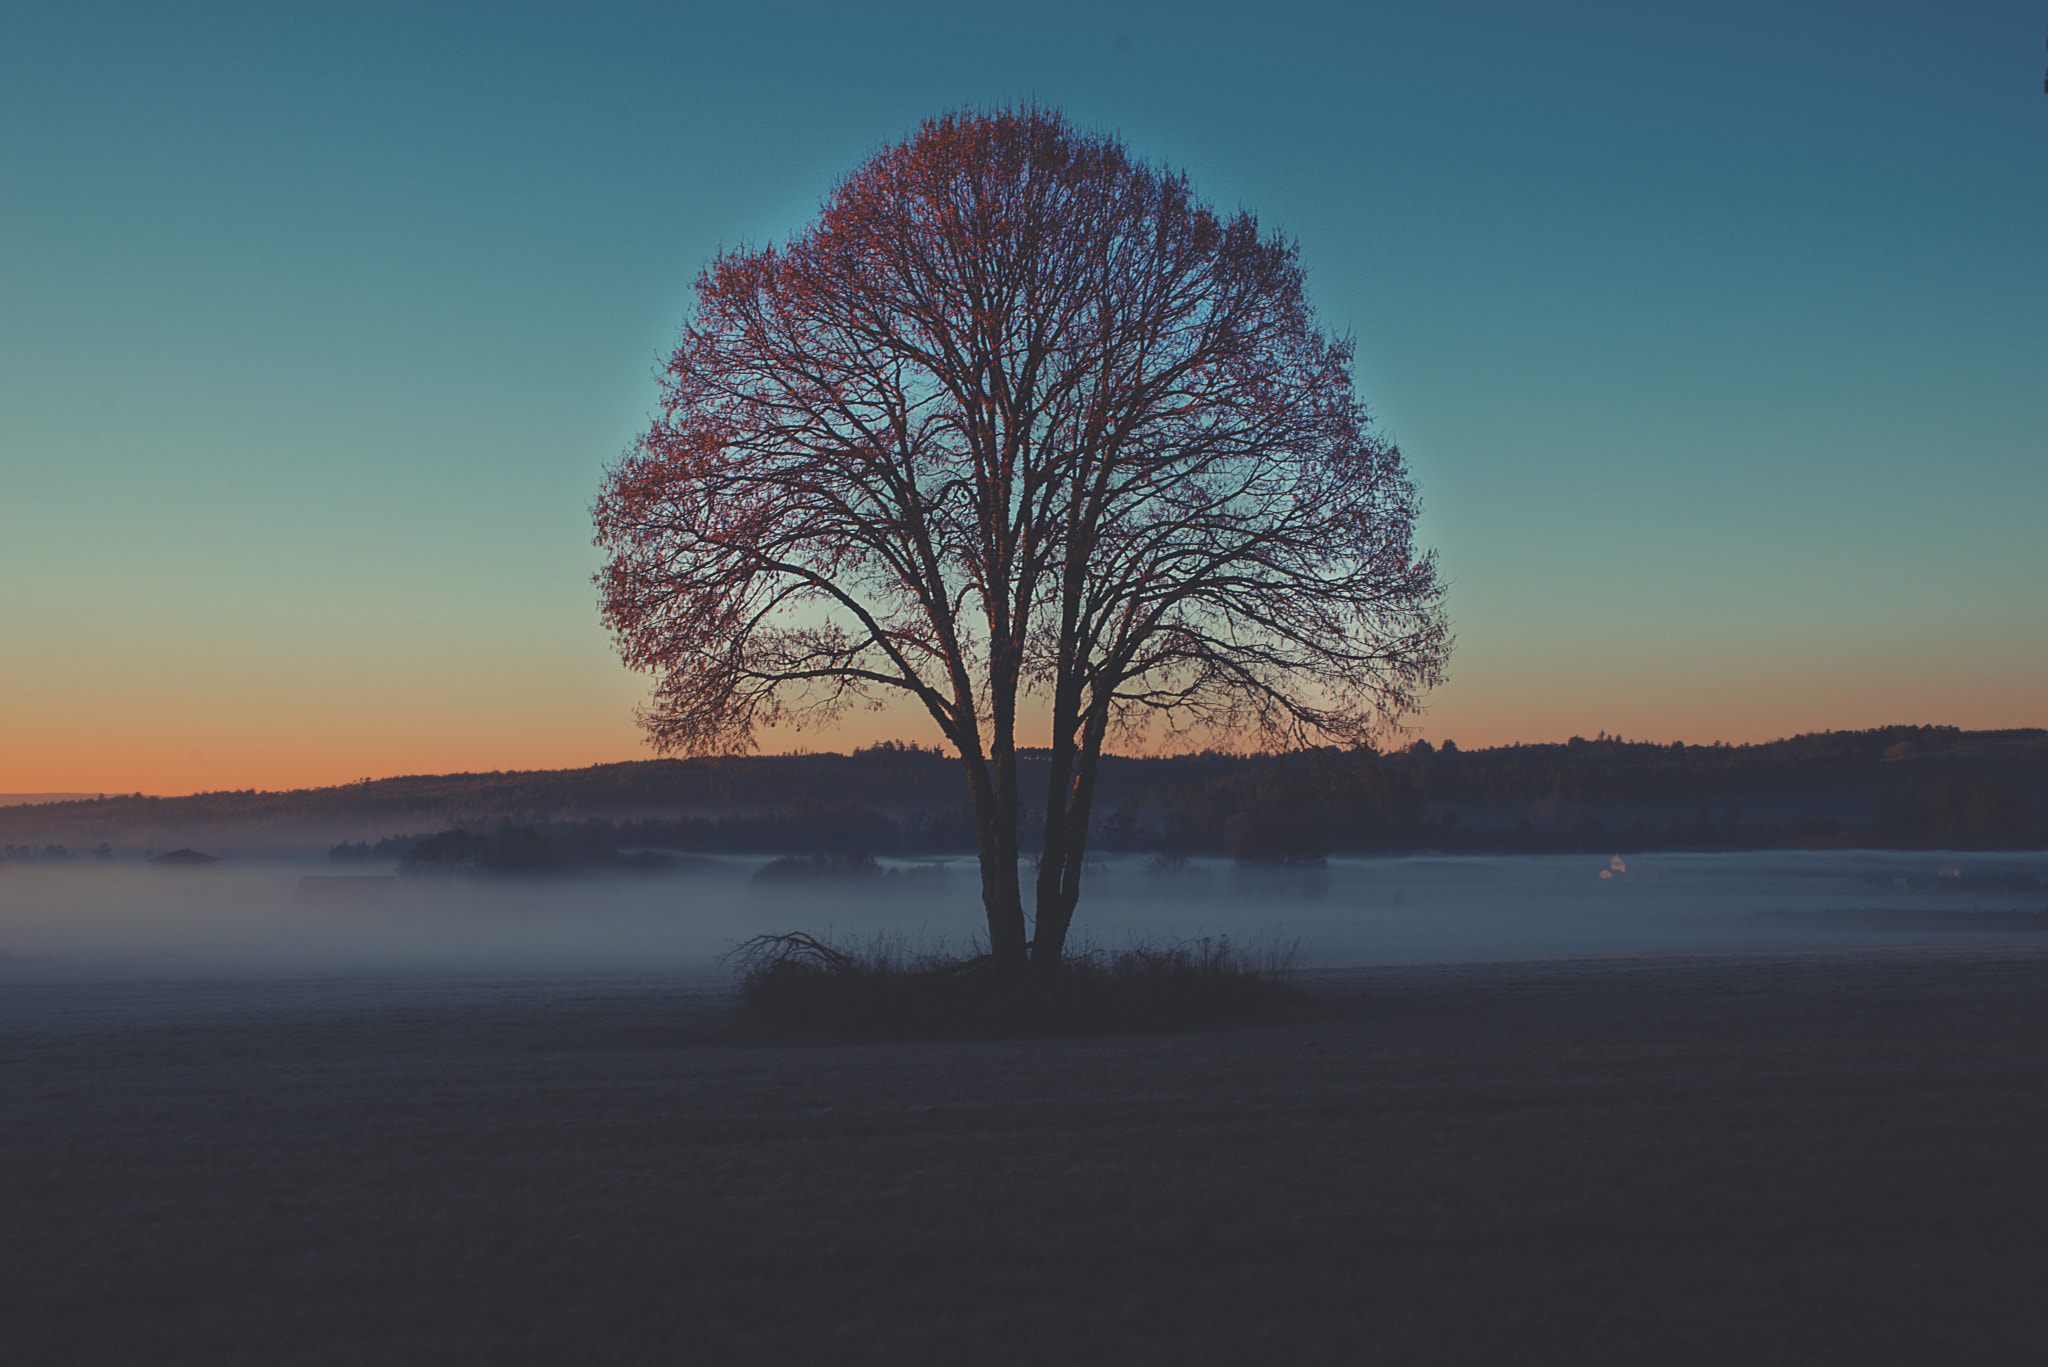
x=1761 y=1156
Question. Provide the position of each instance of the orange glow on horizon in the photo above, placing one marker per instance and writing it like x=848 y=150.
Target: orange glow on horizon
x=270 y=749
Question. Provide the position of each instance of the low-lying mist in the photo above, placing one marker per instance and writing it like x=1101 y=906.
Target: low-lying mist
x=258 y=917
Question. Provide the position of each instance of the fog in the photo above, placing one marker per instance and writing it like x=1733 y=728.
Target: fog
x=280 y=918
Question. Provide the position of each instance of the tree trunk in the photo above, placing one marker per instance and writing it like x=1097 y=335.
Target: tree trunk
x=996 y=832
x=1048 y=931
x=1066 y=844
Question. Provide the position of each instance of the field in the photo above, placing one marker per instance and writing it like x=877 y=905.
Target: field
x=1760 y=1158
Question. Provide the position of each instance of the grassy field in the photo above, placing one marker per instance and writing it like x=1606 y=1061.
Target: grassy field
x=1818 y=1158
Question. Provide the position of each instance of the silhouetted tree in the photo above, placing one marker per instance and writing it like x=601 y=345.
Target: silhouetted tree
x=1017 y=413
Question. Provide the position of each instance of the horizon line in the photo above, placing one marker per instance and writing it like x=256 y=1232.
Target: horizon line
x=53 y=797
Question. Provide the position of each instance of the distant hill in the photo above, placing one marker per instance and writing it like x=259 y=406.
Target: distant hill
x=1902 y=785
x=36 y=799
x=1897 y=786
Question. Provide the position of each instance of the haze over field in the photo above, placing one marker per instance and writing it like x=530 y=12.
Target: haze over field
x=262 y=919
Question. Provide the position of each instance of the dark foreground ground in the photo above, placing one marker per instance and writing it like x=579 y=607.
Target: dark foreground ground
x=1731 y=1159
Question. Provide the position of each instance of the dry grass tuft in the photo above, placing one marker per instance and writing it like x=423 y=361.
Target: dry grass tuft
x=886 y=986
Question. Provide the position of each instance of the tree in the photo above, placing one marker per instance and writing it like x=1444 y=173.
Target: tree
x=1017 y=416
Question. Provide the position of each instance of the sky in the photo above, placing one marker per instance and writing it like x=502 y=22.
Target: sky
x=1714 y=336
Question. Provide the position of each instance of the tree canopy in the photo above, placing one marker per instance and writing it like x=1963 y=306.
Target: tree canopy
x=1018 y=415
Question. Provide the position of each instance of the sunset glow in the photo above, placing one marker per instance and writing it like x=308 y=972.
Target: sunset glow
x=1711 y=339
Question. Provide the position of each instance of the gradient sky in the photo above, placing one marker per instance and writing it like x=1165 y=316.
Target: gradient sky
x=1716 y=338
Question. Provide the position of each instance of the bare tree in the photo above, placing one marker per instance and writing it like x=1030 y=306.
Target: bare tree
x=1017 y=414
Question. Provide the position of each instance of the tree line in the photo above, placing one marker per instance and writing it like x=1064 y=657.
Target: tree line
x=1897 y=787
x=1610 y=769
x=1300 y=805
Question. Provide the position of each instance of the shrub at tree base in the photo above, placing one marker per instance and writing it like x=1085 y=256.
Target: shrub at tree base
x=885 y=988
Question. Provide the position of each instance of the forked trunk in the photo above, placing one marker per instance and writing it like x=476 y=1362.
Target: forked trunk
x=995 y=827
x=1066 y=846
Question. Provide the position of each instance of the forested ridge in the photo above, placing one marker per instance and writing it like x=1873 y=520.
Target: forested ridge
x=1902 y=786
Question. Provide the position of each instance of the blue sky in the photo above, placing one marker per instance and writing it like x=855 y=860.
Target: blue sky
x=1714 y=337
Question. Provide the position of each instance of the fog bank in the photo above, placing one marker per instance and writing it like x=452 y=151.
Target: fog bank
x=256 y=918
